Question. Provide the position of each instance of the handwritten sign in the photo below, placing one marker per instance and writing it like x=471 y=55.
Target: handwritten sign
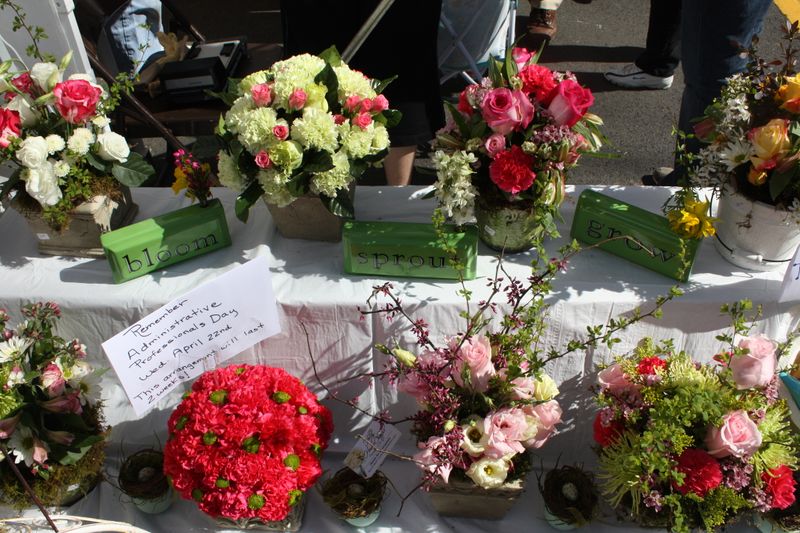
x=790 y=289
x=194 y=333
x=369 y=453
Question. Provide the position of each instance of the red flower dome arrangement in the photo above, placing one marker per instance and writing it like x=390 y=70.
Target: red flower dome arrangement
x=245 y=443
x=684 y=445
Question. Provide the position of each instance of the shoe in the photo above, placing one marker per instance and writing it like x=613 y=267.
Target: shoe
x=662 y=176
x=542 y=27
x=632 y=77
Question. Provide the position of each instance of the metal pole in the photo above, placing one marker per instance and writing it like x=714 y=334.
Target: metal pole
x=366 y=29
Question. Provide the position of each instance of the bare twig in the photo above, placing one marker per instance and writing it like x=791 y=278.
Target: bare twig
x=27 y=487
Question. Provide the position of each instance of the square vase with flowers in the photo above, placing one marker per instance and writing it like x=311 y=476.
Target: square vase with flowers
x=503 y=156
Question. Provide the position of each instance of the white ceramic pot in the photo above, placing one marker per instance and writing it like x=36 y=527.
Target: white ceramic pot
x=754 y=235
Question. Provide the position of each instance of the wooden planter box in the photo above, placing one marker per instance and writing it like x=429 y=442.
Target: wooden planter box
x=467 y=500
x=82 y=237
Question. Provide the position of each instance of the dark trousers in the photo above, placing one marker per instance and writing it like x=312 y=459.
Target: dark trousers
x=663 y=48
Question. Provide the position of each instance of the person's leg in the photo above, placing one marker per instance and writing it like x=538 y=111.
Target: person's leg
x=712 y=35
x=399 y=164
x=663 y=48
x=541 y=25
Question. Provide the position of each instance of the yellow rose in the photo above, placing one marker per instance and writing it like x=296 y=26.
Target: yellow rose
x=789 y=94
x=770 y=143
x=692 y=222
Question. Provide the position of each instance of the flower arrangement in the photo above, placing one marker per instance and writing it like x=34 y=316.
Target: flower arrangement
x=245 y=442
x=750 y=139
x=684 y=444
x=50 y=414
x=309 y=124
x=192 y=175
x=511 y=139
x=56 y=133
x=485 y=399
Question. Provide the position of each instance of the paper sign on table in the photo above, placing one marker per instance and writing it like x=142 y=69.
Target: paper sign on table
x=369 y=452
x=790 y=290
x=194 y=333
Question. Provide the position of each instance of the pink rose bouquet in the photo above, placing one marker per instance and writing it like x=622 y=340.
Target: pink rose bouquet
x=511 y=139
x=51 y=421
x=684 y=444
x=57 y=134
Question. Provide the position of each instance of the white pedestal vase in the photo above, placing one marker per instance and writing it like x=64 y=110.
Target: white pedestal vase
x=754 y=235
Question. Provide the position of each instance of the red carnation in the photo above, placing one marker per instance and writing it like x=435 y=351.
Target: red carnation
x=463 y=103
x=605 y=435
x=539 y=82
x=649 y=365
x=780 y=484
x=702 y=472
x=511 y=170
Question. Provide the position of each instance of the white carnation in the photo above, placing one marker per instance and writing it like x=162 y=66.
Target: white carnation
x=330 y=181
x=45 y=76
x=80 y=141
x=113 y=147
x=255 y=129
x=381 y=139
x=356 y=141
x=42 y=184
x=352 y=82
x=297 y=72
x=316 y=130
x=32 y=152
x=238 y=112
x=228 y=172
x=274 y=185
x=55 y=143
x=488 y=473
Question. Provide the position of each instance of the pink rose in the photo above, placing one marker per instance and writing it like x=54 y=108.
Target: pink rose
x=505 y=110
x=570 y=103
x=379 y=104
x=9 y=126
x=521 y=57
x=262 y=159
x=738 y=436
x=352 y=103
x=76 y=100
x=280 y=131
x=523 y=388
x=756 y=368
x=339 y=119
x=476 y=355
x=53 y=380
x=427 y=458
x=68 y=403
x=297 y=99
x=362 y=120
x=614 y=381
x=547 y=416
x=262 y=94
x=494 y=144
x=366 y=105
x=505 y=429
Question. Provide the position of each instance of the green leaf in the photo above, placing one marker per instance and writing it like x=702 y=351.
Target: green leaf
x=134 y=171
x=374 y=158
x=463 y=128
x=358 y=167
x=246 y=200
x=391 y=117
x=327 y=77
x=77 y=450
x=317 y=161
x=510 y=65
x=494 y=73
x=380 y=86
x=331 y=56
x=96 y=162
x=341 y=206
x=299 y=184
x=779 y=182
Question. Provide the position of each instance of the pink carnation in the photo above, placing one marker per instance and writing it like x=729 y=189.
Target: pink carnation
x=53 y=380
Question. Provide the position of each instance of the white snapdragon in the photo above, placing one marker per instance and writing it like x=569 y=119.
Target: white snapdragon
x=454 y=188
x=113 y=147
x=81 y=141
x=488 y=473
x=32 y=152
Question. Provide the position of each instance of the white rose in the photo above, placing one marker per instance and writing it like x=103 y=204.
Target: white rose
x=80 y=141
x=546 y=389
x=32 y=152
x=475 y=438
x=23 y=104
x=42 y=184
x=55 y=143
x=488 y=473
x=45 y=76
x=113 y=147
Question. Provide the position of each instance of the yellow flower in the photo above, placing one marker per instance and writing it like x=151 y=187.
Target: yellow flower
x=692 y=222
x=180 y=182
x=770 y=143
x=756 y=177
x=788 y=94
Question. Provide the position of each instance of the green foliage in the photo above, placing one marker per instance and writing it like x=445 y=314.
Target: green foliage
x=719 y=505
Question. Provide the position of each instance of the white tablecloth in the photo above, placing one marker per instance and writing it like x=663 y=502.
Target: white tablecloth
x=310 y=287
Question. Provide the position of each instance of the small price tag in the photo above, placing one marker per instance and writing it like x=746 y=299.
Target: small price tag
x=790 y=289
x=43 y=236
x=369 y=452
